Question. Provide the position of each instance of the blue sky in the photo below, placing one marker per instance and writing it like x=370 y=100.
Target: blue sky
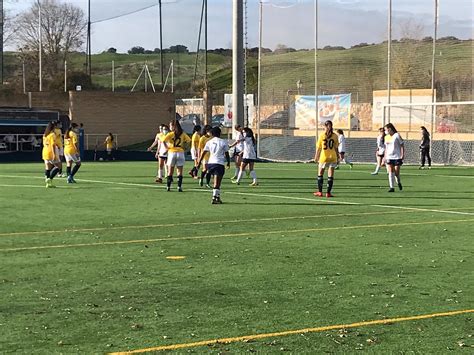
x=288 y=22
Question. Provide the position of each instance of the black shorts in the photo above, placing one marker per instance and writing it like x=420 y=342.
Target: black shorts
x=216 y=169
x=163 y=157
x=396 y=162
x=238 y=153
x=246 y=161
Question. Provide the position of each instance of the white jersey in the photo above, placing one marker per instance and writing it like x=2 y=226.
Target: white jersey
x=163 y=152
x=249 y=149
x=240 y=146
x=216 y=148
x=380 y=145
x=342 y=143
x=393 y=147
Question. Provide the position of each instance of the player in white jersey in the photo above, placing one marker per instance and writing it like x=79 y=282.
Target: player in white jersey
x=218 y=150
x=342 y=148
x=394 y=155
x=238 y=150
x=249 y=156
x=161 y=152
x=380 y=151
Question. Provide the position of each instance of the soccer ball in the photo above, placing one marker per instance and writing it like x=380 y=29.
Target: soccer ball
x=101 y=159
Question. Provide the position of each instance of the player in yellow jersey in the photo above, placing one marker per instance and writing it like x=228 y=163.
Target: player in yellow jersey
x=161 y=152
x=71 y=153
x=177 y=142
x=327 y=155
x=195 y=150
x=59 y=146
x=49 y=154
x=109 y=146
x=205 y=137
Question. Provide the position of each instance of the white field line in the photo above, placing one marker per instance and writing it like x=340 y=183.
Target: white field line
x=314 y=200
x=38 y=186
x=283 y=233
x=270 y=219
x=351 y=203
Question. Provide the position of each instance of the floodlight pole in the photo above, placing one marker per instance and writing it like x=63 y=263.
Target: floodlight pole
x=433 y=76
x=113 y=76
x=89 y=40
x=316 y=101
x=389 y=57
x=161 y=42
x=40 y=48
x=237 y=64
x=259 y=81
x=1 y=41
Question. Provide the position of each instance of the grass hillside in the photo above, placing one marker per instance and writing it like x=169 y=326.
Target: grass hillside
x=357 y=70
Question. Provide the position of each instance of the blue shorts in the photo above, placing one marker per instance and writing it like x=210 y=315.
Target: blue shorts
x=396 y=162
x=216 y=169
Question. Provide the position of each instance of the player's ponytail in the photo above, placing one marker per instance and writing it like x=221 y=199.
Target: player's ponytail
x=329 y=130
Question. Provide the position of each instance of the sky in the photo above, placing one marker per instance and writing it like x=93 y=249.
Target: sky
x=285 y=22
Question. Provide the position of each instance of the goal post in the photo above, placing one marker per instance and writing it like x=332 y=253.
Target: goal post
x=449 y=123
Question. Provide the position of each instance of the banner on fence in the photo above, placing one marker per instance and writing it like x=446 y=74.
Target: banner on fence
x=336 y=108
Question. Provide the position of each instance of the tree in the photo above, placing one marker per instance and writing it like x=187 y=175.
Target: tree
x=136 y=50
x=112 y=50
x=179 y=48
x=63 y=31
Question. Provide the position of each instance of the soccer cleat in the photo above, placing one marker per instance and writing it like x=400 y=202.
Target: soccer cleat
x=400 y=187
x=168 y=188
x=233 y=177
x=421 y=168
x=49 y=184
x=180 y=189
x=351 y=165
x=191 y=173
x=235 y=182
x=318 y=194
x=374 y=173
x=391 y=189
x=328 y=195
x=208 y=186
x=216 y=200
x=253 y=184
x=159 y=180
x=69 y=179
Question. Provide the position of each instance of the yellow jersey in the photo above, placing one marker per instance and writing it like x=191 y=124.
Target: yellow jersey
x=109 y=143
x=202 y=143
x=195 y=140
x=48 y=146
x=70 y=144
x=177 y=144
x=58 y=138
x=328 y=146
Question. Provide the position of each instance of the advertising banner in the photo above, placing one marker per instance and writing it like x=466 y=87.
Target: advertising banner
x=335 y=108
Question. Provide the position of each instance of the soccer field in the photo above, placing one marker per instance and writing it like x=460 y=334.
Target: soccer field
x=115 y=263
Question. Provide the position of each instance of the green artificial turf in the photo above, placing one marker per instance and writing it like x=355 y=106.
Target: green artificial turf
x=84 y=267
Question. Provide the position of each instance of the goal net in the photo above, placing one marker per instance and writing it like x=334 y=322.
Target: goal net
x=450 y=125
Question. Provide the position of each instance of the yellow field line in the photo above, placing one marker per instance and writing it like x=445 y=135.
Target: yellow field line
x=98 y=229
x=293 y=332
x=203 y=237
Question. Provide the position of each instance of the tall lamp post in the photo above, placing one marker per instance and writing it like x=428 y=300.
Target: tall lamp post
x=40 y=48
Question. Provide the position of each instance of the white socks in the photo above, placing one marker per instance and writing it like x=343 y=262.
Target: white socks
x=253 y=175
x=391 y=177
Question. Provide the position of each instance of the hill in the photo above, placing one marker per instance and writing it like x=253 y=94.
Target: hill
x=357 y=70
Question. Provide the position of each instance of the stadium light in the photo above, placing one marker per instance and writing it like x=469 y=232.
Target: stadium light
x=40 y=48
